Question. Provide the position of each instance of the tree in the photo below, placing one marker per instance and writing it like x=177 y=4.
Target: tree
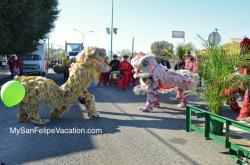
x=61 y=56
x=162 y=49
x=182 y=49
x=24 y=22
x=232 y=46
x=124 y=52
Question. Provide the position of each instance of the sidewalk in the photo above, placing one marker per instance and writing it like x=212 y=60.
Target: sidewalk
x=4 y=73
x=4 y=76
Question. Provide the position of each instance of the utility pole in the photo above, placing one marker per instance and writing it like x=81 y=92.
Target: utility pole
x=132 y=54
x=48 y=48
x=111 y=35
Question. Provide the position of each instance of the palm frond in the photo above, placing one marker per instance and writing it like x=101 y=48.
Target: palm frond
x=217 y=70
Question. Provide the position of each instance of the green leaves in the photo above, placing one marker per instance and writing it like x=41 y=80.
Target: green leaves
x=162 y=49
x=218 y=72
x=24 y=22
x=182 y=49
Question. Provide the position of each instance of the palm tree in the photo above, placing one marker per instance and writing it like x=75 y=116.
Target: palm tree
x=218 y=72
x=182 y=49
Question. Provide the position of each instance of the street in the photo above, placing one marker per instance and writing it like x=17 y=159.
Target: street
x=128 y=135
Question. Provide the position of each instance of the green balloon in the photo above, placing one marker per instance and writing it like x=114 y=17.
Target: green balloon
x=12 y=93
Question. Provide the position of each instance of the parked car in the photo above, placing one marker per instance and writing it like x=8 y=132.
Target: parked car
x=34 y=63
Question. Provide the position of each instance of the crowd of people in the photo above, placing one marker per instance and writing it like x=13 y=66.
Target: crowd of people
x=15 y=64
x=190 y=63
x=122 y=71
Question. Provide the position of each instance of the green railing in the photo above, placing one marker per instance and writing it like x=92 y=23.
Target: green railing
x=238 y=152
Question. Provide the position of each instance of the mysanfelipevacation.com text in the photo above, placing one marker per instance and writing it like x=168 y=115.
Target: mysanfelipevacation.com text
x=56 y=130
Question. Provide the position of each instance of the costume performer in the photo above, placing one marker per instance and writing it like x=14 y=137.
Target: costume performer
x=154 y=76
x=125 y=69
x=89 y=65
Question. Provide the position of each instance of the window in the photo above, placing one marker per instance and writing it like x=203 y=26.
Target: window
x=31 y=57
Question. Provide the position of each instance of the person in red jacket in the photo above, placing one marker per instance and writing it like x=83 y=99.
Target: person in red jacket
x=125 y=69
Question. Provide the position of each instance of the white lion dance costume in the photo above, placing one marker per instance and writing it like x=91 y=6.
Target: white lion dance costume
x=154 y=77
x=90 y=63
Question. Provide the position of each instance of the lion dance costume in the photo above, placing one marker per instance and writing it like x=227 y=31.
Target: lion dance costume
x=154 y=77
x=89 y=64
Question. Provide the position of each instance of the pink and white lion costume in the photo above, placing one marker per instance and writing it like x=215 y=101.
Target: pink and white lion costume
x=154 y=78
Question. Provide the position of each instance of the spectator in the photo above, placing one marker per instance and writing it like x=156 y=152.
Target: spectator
x=4 y=62
x=187 y=61
x=114 y=64
x=14 y=64
x=190 y=64
x=165 y=63
x=19 y=66
x=46 y=65
x=180 y=64
x=125 y=68
x=195 y=65
x=104 y=77
x=113 y=75
x=11 y=64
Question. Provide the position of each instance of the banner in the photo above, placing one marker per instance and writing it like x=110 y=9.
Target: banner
x=178 y=34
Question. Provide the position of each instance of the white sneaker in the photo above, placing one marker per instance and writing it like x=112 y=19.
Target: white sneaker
x=181 y=105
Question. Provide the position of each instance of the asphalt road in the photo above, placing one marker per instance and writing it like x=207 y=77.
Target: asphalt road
x=128 y=136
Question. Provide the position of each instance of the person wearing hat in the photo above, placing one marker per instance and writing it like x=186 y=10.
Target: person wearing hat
x=114 y=64
x=125 y=68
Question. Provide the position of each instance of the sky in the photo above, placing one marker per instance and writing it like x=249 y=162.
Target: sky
x=148 y=21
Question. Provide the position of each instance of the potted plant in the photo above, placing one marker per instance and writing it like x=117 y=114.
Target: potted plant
x=218 y=70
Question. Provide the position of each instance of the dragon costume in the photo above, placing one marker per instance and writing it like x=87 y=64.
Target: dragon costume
x=154 y=77
x=89 y=64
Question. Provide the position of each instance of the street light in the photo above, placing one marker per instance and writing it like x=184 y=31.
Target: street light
x=111 y=30
x=83 y=34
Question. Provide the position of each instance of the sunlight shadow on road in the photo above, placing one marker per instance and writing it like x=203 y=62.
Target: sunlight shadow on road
x=22 y=148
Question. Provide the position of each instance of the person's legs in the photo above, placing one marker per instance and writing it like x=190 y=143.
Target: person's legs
x=234 y=104
x=126 y=79
x=22 y=114
x=183 y=100
x=156 y=100
x=151 y=98
x=105 y=79
x=121 y=84
x=178 y=95
x=90 y=105
x=34 y=116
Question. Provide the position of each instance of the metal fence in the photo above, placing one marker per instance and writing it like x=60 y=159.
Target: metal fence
x=240 y=154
